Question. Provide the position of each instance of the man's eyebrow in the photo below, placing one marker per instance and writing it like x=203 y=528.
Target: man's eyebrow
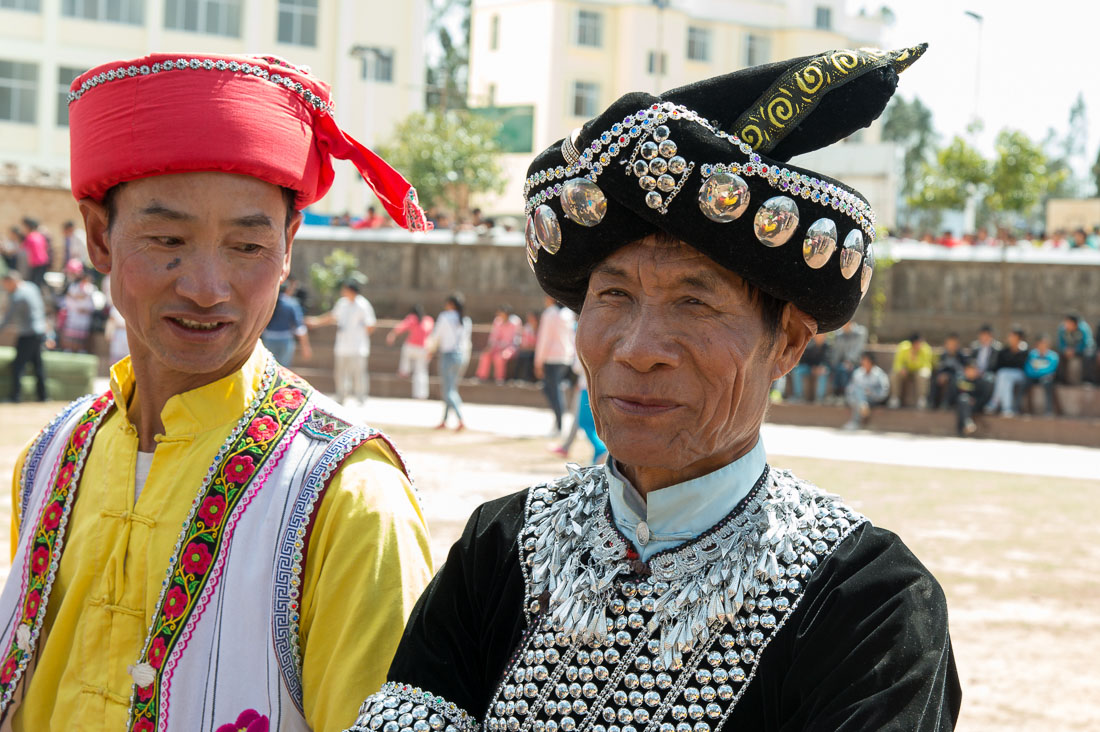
x=705 y=281
x=609 y=270
x=253 y=221
x=158 y=210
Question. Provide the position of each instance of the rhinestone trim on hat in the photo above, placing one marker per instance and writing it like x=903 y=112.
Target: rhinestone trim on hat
x=204 y=64
x=613 y=142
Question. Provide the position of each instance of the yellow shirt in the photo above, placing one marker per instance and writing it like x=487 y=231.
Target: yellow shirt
x=369 y=541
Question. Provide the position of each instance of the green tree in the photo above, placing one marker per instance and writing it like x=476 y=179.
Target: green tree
x=909 y=124
x=958 y=173
x=327 y=276
x=450 y=155
x=1018 y=178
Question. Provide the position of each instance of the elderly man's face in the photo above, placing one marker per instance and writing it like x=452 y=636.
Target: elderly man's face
x=678 y=358
x=196 y=260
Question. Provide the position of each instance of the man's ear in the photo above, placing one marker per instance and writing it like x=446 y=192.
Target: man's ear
x=96 y=224
x=291 y=232
x=796 y=329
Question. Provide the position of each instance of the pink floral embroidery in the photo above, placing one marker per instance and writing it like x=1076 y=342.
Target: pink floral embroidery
x=249 y=721
x=287 y=398
x=8 y=671
x=81 y=434
x=211 y=510
x=157 y=651
x=66 y=474
x=52 y=517
x=196 y=558
x=263 y=429
x=103 y=401
x=239 y=469
x=175 y=602
x=40 y=560
x=143 y=725
x=34 y=597
x=145 y=693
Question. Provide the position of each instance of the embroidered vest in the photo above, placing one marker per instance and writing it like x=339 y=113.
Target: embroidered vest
x=261 y=492
x=617 y=645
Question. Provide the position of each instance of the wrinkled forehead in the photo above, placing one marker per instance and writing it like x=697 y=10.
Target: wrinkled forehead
x=665 y=261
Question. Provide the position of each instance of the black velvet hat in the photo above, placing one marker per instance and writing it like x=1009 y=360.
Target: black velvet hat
x=705 y=163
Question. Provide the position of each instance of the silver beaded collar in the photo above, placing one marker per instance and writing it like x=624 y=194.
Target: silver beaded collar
x=573 y=555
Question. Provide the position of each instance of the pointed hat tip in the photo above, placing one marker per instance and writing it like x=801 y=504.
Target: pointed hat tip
x=903 y=58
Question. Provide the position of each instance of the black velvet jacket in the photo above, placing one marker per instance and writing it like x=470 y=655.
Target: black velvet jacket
x=867 y=648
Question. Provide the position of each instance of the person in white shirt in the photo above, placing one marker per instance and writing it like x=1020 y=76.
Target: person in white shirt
x=450 y=337
x=355 y=321
x=554 y=354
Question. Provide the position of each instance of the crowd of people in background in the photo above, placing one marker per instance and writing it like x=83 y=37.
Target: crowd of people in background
x=1061 y=239
x=987 y=376
x=53 y=310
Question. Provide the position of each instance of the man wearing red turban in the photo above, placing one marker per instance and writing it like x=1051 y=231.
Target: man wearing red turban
x=211 y=540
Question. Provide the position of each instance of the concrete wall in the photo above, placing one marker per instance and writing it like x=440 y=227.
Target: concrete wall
x=933 y=296
x=937 y=297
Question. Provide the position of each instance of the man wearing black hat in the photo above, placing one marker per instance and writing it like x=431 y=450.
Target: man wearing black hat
x=687 y=586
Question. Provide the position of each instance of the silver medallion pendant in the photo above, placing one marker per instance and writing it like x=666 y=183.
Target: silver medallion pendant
x=776 y=221
x=583 y=202
x=820 y=243
x=724 y=197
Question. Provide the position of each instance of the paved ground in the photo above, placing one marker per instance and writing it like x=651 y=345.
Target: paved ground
x=1007 y=528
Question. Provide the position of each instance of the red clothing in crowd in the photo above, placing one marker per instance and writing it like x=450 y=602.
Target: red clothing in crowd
x=417 y=328
x=38 y=252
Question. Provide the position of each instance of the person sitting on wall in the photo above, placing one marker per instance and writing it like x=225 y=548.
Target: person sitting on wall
x=1040 y=368
x=949 y=368
x=913 y=362
x=1009 y=379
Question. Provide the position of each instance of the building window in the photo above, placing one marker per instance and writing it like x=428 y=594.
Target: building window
x=31 y=5
x=215 y=17
x=65 y=77
x=492 y=95
x=585 y=98
x=494 y=33
x=298 y=22
x=18 y=89
x=115 y=11
x=657 y=63
x=823 y=18
x=757 y=50
x=698 y=44
x=589 y=28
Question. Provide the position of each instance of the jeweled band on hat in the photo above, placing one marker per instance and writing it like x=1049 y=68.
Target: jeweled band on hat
x=253 y=115
x=706 y=163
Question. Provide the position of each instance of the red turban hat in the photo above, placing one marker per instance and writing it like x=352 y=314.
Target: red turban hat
x=250 y=115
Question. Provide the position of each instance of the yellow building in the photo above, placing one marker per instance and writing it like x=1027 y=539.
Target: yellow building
x=569 y=59
x=370 y=51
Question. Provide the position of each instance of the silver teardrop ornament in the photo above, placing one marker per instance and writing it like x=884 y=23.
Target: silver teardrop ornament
x=547 y=229
x=851 y=253
x=776 y=221
x=820 y=243
x=531 y=242
x=868 y=270
x=583 y=202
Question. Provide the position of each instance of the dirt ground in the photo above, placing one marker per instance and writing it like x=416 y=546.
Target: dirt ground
x=1016 y=555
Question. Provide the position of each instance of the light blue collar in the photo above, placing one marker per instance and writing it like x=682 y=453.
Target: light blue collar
x=683 y=511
